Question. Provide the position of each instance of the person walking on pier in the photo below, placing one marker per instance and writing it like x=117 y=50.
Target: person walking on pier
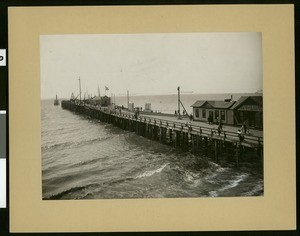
x=210 y=119
x=219 y=120
x=244 y=128
x=220 y=128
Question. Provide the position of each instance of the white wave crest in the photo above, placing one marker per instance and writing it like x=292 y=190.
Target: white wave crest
x=256 y=190
x=213 y=194
x=151 y=172
x=234 y=183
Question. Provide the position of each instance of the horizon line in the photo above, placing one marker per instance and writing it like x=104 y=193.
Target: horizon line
x=167 y=94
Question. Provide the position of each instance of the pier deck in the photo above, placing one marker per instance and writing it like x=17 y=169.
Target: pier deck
x=184 y=120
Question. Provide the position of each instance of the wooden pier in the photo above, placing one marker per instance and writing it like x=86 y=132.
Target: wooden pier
x=188 y=137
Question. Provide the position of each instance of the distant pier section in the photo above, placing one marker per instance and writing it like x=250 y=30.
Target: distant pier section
x=195 y=136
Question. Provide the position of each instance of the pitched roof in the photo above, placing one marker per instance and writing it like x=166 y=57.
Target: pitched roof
x=214 y=104
x=198 y=103
x=257 y=99
x=99 y=98
x=96 y=98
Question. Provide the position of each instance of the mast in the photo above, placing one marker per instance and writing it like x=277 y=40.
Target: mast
x=98 y=91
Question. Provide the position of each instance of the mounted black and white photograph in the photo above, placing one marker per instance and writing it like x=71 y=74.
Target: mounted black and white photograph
x=161 y=115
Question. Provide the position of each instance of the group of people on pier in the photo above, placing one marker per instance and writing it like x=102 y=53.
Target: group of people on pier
x=241 y=132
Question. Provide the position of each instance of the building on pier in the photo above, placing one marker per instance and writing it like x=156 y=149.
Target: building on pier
x=202 y=110
x=103 y=101
x=247 y=109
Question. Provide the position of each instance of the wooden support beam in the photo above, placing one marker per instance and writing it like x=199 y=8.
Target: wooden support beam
x=237 y=155
x=152 y=132
x=161 y=134
x=193 y=144
x=197 y=143
x=177 y=138
x=182 y=141
x=165 y=135
x=170 y=136
x=146 y=130
x=206 y=146
x=216 y=150
x=186 y=141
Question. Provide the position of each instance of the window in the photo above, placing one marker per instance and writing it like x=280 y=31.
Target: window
x=203 y=113
x=197 y=112
x=216 y=114
x=222 y=115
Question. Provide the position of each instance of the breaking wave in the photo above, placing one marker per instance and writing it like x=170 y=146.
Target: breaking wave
x=149 y=173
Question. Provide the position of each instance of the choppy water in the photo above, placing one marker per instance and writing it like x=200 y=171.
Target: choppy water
x=86 y=159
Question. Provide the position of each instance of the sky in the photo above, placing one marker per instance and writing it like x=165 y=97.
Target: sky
x=150 y=64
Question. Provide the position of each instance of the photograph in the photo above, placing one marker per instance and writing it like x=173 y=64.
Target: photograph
x=152 y=115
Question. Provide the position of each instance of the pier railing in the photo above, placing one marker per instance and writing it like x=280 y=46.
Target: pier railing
x=245 y=139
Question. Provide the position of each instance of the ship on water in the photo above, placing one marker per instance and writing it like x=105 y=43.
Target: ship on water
x=56 y=101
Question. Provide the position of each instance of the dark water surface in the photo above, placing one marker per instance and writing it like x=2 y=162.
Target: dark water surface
x=87 y=159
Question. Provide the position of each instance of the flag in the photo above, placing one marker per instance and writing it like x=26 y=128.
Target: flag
x=106 y=88
x=178 y=88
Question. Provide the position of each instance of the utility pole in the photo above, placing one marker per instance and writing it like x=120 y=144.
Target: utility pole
x=127 y=99
x=178 y=89
x=79 y=89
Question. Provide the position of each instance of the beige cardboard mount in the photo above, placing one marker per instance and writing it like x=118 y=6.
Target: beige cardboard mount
x=275 y=210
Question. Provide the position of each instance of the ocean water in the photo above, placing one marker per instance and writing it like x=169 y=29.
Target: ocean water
x=83 y=158
x=169 y=103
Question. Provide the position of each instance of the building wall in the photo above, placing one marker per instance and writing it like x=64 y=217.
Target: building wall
x=200 y=118
x=252 y=118
x=228 y=115
x=105 y=101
